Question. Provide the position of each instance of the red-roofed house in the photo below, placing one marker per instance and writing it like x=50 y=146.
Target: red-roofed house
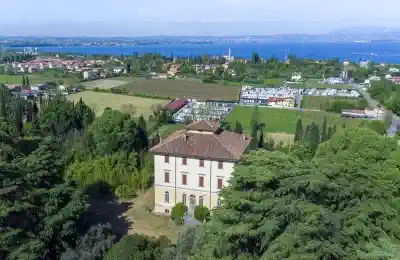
x=193 y=165
x=396 y=80
x=176 y=104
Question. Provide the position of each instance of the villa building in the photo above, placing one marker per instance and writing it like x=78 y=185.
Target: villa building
x=192 y=165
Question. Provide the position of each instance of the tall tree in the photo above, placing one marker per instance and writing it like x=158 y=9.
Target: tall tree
x=330 y=132
x=93 y=245
x=261 y=139
x=324 y=134
x=23 y=81
x=254 y=129
x=19 y=118
x=315 y=137
x=278 y=207
x=299 y=131
x=29 y=112
x=255 y=58
x=238 y=128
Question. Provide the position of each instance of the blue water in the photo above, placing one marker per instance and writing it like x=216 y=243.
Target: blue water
x=379 y=52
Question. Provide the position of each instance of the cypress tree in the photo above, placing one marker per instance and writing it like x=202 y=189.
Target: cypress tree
x=27 y=82
x=238 y=128
x=330 y=132
x=254 y=130
x=142 y=123
x=334 y=130
x=306 y=137
x=18 y=118
x=299 y=131
x=29 y=112
x=315 y=137
x=324 y=134
x=261 y=139
x=23 y=81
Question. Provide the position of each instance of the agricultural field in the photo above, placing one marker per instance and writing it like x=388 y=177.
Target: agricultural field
x=99 y=101
x=314 y=83
x=106 y=83
x=276 y=82
x=181 y=88
x=324 y=103
x=284 y=120
x=38 y=78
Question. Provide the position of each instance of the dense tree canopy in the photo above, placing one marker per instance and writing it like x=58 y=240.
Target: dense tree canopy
x=343 y=204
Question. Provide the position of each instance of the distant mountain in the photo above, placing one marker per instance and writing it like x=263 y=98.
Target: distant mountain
x=374 y=30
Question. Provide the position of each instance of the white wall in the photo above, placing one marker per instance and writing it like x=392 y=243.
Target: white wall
x=193 y=170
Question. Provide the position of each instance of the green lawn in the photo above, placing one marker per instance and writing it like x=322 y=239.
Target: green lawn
x=99 y=101
x=276 y=82
x=314 y=83
x=283 y=120
x=38 y=78
x=323 y=103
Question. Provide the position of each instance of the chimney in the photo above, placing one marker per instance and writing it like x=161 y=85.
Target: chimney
x=185 y=135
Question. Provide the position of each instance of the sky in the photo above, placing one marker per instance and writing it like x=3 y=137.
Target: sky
x=191 y=17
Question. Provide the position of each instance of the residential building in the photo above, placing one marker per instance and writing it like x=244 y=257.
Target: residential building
x=90 y=75
x=394 y=70
x=296 y=76
x=174 y=69
x=364 y=64
x=193 y=165
x=177 y=104
x=396 y=80
x=281 y=102
x=118 y=70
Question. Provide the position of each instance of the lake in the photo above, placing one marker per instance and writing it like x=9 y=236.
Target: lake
x=379 y=52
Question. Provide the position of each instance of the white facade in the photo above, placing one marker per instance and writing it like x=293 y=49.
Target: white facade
x=170 y=188
x=296 y=76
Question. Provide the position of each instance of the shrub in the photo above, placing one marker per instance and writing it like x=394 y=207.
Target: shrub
x=178 y=211
x=133 y=247
x=202 y=213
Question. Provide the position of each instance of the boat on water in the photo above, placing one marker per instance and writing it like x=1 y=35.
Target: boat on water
x=365 y=53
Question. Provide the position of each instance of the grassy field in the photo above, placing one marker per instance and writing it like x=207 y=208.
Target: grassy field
x=314 y=83
x=323 y=103
x=99 y=101
x=283 y=120
x=106 y=83
x=181 y=88
x=37 y=78
x=275 y=82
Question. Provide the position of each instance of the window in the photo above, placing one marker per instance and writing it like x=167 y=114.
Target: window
x=166 y=177
x=166 y=211
x=166 y=159
x=200 y=201
x=184 y=161
x=166 y=197
x=184 y=199
x=220 y=165
x=220 y=181
x=184 y=179
x=218 y=202
x=201 y=181
x=201 y=163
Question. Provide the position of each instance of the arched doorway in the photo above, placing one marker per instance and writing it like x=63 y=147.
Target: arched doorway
x=192 y=204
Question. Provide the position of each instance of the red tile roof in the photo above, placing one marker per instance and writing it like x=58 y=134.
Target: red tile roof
x=204 y=125
x=176 y=104
x=224 y=146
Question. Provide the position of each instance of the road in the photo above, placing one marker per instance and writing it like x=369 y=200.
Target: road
x=392 y=130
